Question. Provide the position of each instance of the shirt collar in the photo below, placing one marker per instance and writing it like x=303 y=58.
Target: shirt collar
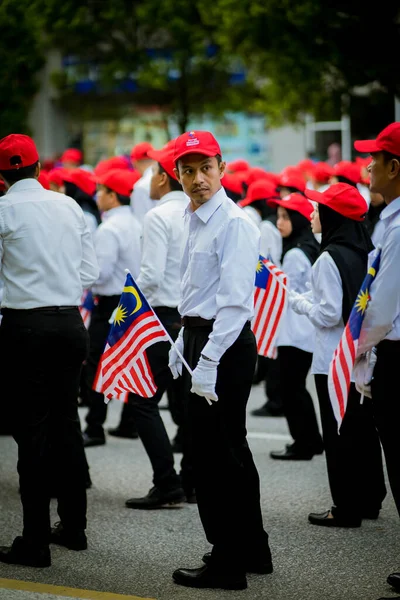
x=206 y=211
x=390 y=209
x=25 y=184
x=176 y=195
x=115 y=211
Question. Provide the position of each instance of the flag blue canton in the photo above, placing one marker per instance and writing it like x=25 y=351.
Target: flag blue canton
x=262 y=274
x=132 y=305
x=358 y=311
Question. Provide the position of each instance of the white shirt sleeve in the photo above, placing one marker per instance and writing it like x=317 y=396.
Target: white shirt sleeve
x=154 y=253
x=106 y=246
x=297 y=267
x=238 y=261
x=384 y=306
x=327 y=286
x=89 y=270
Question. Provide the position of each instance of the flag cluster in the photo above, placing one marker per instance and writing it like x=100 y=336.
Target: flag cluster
x=342 y=364
x=88 y=302
x=269 y=303
x=124 y=366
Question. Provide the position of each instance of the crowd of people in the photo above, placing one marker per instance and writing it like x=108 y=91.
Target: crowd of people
x=190 y=229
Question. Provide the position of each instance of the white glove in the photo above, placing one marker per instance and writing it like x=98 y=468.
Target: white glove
x=363 y=372
x=204 y=379
x=299 y=303
x=174 y=360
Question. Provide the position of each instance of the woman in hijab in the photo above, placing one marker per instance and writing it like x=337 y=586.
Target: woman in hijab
x=354 y=459
x=296 y=335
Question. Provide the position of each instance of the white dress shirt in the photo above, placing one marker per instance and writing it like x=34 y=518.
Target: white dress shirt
x=382 y=317
x=296 y=330
x=271 y=242
x=159 y=277
x=326 y=296
x=46 y=249
x=91 y=221
x=220 y=254
x=141 y=202
x=117 y=245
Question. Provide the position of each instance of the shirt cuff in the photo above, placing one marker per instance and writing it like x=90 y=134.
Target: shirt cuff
x=213 y=351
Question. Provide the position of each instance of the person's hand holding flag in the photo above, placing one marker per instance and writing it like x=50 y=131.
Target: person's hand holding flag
x=204 y=379
x=174 y=359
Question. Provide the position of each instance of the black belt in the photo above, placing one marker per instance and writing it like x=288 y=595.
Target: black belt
x=164 y=310
x=39 y=308
x=196 y=322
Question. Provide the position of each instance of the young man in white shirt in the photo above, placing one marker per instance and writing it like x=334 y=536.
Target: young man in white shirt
x=159 y=280
x=141 y=201
x=220 y=255
x=381 y=325
x=117 y=246
x=47 y=259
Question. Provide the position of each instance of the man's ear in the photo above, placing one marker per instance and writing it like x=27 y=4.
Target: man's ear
x=222 y=167
x=395 y=167
x=37 y=171
x=176 y=172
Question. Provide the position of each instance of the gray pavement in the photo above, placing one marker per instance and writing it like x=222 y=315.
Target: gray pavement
x=134 y=552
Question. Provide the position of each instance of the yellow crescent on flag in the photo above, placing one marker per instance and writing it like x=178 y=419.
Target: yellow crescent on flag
x=129 y=289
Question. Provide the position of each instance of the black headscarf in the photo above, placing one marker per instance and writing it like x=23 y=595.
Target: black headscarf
x=349 y=244
x=301 y=237
x=85 y=201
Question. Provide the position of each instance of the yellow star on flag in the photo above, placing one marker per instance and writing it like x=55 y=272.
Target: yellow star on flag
x=362 y=301
x=120 y=315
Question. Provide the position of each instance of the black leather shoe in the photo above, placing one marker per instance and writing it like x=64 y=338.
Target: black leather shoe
x=326 y=519
x=123 y=433
x=157 y=499
x=254 y=566
x=266 y=411
x=73 y=540
x=372 y=514
x=89 y=441
x=206 y=577
x=290 y=453
x=191 y=497
x=24 y=553
x=394 y=581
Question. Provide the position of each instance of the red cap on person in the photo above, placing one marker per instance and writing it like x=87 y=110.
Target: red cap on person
x=72 y=155
x=322 y=172
x=295 y=202
x=196 y=142
x=235 y=166
x=233 y=182
x=165 y=157
x=17 y=151
x=115 y=162
x=140 y=151
x=342 y=198
x=348 y=169
x=291 y=179
x=43 y=179
x=388 y=140
x=57 y=176
x=120 y=181
x=84 y=180
x=262 y=189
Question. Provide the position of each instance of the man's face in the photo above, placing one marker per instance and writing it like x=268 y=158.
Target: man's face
x=104 y=198
x=200 y=177
x=156 y=182
x=382 y=174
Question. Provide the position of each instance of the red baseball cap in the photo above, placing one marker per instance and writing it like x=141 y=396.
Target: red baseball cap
x=295 y=202
x=343 y=198
x=115 y=162
x=72 y=155
x=57 y=176
x=234 y=181
x=120 y=181
x=257 y=173
x=196 y=142
x=306 y=165
x=84 y=180
x=140 y=151
x=348 y=169
x=17 y=151
x=43 y=179
x=291 y=179
x=165 y=157
x=322 y=172
x=237 y=165
x=388 y=140
x=262 y=189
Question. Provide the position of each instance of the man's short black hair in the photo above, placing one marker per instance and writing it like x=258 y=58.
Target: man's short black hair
x=387 y=156
x=14 y=175
x=173 y=183
x=124 y=200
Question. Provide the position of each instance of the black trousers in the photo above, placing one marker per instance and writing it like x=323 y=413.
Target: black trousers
x=268 y=371
x=41 y=355
x=298 y=405
x=386 y=408
x=226 y=478
x=146 y=412
x=98 y=333
x=354 y=458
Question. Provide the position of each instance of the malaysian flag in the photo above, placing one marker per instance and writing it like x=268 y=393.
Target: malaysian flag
x=341 y=366
x=88 y=302
x=269 y=302
x=124 y=366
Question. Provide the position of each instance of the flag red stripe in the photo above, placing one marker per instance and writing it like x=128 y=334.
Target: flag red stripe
x=276 y=322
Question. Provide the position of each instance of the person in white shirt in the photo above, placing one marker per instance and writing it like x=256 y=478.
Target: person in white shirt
x=296 y=335
x=220 y=255
x=117 y=246
x=353 y=457
x=141 y=202
x=159 y=280
x=47 y=258
x=381 y=325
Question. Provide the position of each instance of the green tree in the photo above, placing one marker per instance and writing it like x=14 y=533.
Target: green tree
x=164 y=46
x=21 y=57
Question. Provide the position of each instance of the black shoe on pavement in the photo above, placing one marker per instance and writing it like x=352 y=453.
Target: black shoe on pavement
x=394 y=581
x=191 y=497
x=327 y=519
x=73 y=540
x=89 y=441
x=290 y=453
x=206 y=577
x=157 y=499
x=261 y=567
x=25 y=553
x=267 y=411
x=123 y=433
